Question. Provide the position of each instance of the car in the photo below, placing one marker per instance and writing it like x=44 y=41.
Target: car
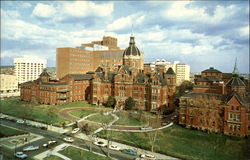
x=20 y=121
x=68 y=139
x=30 y=148
x=3 y=116
x=45 y=145
x=100 y=143
x=52 y=142
x=148 y=156
x=146 y=128
x=28 y=124
x=165 y=123
x=129 y=151
x=75 y=130
x=21 y=155
x=114 y=147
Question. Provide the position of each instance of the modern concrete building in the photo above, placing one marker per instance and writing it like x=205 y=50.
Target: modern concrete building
x=88 y=57
x=28 y=68
x=181 y=70
x=8 y=86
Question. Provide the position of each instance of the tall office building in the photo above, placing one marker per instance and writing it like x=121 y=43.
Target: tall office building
x=88 y=57
x=8 y=85
x=181 y=70
x=28 y=68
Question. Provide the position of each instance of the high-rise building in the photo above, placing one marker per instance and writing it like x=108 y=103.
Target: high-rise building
x=88 y=57
x=181 y=70
x=28 y=68
x=8 y=85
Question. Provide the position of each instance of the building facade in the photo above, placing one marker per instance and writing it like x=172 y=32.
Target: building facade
x=28 y=68
x=88 y=57
x=8 y=86
x=181 y=70
x=151 y=91
x=216 y=105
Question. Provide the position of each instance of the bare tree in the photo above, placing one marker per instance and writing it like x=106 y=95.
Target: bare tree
x=88 y=131
x=153 y=134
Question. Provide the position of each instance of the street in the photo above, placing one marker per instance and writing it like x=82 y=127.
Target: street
x=49 y=135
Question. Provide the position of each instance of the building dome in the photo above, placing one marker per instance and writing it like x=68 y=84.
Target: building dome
x=132 y=50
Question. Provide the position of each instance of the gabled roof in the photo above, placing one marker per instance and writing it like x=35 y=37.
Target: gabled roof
x=125 y=68
x=44 y=73
x=99 y=69
x=235 y=81
x=211 y=69
x=79 y=77
x=170 y=71
x=235 y=94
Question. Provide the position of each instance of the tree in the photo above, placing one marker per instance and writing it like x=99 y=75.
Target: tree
x=110 y=102
x=129 y=103
x=152 y=135
x=184 y=87
x=88 y=131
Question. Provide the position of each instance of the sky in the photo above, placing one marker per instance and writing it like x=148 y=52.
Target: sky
x=201 y=34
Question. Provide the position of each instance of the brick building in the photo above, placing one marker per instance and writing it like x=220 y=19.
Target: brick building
x=217 y=104
x=88 y=57
x=151 y=91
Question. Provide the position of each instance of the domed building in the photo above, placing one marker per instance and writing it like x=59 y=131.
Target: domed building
x=132 y=56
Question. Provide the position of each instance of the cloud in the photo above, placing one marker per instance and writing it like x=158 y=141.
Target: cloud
x=25 y=5
x=9 y=14
x=87 y=8
x=244 y=31
x=126 y=22
x=43 y=11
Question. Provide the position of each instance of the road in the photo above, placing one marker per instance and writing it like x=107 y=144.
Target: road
x=49 y=135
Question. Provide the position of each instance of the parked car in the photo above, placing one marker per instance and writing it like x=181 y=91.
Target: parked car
x=45 y=145
x=30 y=148
x=165 y=123
x=146 y=128
x=148 y=156
x=100 y=143
x=129 y=151
x=68 y=139
x=75 y=130
x=20 y=121
x=20 y=155
x=114 y=147
x=52 y=142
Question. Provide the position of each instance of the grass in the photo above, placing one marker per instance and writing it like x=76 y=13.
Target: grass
x=52 y=157
x=41 y=113
x=7 y=131
x=188 y=144
x=78 y=154
x=78 y=104
x=125 y=119
x=81 y=113
x=100 y=118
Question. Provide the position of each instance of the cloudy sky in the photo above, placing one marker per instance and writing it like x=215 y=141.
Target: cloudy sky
x=198 y=33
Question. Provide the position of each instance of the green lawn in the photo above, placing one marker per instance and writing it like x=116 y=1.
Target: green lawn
x=188 y=144
x=7 y=131
x=126 y=119
x=82 y=113
x=100 y=118
x=52 y=157
x=41 y=113
x=78 y=104
x=78 y=154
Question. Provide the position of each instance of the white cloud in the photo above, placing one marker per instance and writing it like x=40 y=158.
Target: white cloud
x=25 y=5
x=9 y=14
x=43 y=10
x=86 y=8
x=244 y=31
x=126 y=22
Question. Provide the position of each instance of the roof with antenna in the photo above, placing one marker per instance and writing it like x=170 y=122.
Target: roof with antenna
x=132 y=50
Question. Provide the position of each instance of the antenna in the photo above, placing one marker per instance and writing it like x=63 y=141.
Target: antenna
x=132 y=30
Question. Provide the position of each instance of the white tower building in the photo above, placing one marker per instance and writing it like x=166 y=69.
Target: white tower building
x=28 y=68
